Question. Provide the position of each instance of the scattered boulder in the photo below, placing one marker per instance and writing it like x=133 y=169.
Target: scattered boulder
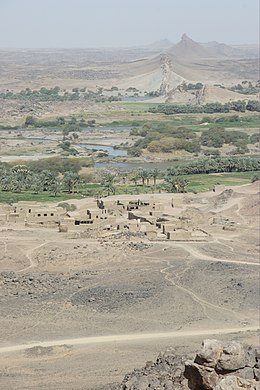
x=166 y=373
x=235 y=356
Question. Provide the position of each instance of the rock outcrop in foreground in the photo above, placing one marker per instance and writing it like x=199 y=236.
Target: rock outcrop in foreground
x=218 y=366
x=223 y=367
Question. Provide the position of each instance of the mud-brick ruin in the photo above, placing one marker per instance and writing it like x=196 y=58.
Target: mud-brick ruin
x=150 y=217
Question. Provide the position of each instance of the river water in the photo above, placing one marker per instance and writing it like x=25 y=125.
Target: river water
x=109 y=149
x=122 y=166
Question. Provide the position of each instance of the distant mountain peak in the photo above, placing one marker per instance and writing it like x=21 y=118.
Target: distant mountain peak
x=185 y=37
x=187 y=49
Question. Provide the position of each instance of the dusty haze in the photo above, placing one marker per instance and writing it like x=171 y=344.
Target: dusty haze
x=113 y=23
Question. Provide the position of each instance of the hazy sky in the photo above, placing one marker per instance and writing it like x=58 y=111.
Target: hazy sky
x=110 y=23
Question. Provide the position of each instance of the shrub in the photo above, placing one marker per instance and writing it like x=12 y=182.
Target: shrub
x=67 y=206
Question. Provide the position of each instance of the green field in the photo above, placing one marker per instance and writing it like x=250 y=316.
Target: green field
x=205 y=182
x=191 y=121
x=136 y=106
x=12 y=197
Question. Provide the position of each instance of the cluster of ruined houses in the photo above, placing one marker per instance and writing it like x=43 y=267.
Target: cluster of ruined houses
x=151 y=218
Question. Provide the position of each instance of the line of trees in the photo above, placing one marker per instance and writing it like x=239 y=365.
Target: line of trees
x=216 y=165
x=42 y=95
x=57 y=165
x=19 y=178
x=56 y=94
x=209 y=108
x=69 y=124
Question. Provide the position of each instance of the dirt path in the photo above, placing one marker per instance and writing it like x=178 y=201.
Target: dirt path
x=204 y=304
x=239 y=205
x=200 y=256
x=127 y=338
x=189 y=247
x=30 y=258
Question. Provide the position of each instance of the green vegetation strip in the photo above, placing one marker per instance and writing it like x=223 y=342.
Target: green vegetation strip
x=197 y=183
x=136 y=106
x=26 y=196
x=205 y=182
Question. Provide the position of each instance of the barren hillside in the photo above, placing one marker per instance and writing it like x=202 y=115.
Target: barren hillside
x=156 y=69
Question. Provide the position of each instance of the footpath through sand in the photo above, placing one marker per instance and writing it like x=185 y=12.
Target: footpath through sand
x=126 y=338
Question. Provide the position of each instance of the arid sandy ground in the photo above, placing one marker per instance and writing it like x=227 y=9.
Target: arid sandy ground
x=142 y=295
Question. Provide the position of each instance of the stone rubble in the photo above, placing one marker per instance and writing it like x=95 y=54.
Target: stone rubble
x=218 y=366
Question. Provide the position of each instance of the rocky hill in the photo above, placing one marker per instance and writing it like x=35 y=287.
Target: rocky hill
x=239 y=51
x=218 y=366
x=188 y=50
x=212 y=64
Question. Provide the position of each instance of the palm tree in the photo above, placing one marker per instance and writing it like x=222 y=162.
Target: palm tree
x=36 y=184
x=108 y=183
x=155 y=173
x=148 y=176
x=54 y=186
x=71 y=180
x=135 y=177
x=176 y=184
x=144 y=175
x=44 y=181
x=6 y=179
x=19 y=176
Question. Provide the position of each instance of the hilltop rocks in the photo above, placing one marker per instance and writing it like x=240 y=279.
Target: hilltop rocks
x=230 y=357
x=210 y=353
x=218 y=366
x=221 y=366
x=234 y=356
x=166 y=373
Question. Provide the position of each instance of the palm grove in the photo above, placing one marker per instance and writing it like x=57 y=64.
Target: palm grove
x=56 y=179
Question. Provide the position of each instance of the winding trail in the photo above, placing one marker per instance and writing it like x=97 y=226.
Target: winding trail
x=195 y=298
x=204 y=304
x=30 y=258
x=238 y=213
x=127 y=338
